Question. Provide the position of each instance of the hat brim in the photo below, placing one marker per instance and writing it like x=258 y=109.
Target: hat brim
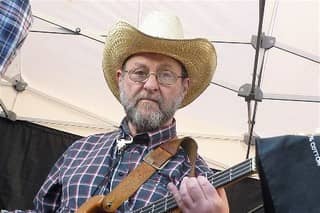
x=197 y=55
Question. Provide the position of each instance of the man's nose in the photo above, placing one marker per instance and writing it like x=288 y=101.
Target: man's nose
x=152 y=83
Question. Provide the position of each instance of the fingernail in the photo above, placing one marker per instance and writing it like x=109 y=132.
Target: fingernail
x=201 y=177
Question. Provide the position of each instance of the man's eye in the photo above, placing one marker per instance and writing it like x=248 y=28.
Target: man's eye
x=166 y=74
x=140 y=73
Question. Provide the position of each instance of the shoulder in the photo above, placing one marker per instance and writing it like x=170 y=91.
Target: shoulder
x=94 y=141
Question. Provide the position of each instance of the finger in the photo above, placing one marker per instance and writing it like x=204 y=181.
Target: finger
x=184 y=192
x=194 y=189
x=224 y=200
x=176 y=194
x=223 y=195
x=206 y=187
x=172 y=188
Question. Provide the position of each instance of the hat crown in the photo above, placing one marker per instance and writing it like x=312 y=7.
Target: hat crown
x=162 y=25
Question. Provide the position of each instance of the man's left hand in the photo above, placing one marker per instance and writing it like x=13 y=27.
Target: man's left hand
x=196 y=194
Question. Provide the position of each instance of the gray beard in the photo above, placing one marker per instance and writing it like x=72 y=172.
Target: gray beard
x=153 y=120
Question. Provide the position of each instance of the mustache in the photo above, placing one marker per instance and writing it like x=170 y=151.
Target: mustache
x=140 y=97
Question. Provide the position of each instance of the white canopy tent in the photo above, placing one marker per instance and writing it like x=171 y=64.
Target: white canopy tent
x=61 y=63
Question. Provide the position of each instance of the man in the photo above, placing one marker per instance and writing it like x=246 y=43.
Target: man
x=152 y=72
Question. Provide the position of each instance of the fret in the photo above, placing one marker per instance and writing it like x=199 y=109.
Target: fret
x=165 y=204
x=219 y=179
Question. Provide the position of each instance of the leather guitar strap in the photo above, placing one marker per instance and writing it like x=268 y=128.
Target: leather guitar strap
x=153 y=161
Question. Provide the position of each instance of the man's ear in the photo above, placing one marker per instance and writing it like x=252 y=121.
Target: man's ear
x=185 y=85
x=118 y=75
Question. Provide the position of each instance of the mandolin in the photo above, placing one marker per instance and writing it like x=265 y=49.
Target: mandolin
x=167 y=204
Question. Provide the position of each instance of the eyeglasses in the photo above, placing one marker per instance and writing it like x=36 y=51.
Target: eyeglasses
x=164 y=77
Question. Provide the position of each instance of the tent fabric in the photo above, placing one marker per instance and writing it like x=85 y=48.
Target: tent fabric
x=61 y=58
x=28 y=151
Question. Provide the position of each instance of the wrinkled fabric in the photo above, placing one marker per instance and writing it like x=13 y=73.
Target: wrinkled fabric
x=15 y=20
x=289 y=169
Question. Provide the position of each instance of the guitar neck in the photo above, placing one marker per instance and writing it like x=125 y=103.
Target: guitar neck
x=233 y=174
x=218 y=179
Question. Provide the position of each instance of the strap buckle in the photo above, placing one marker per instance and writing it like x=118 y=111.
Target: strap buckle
x=149 y=159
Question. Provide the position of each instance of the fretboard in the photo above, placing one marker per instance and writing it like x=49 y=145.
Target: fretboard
x=218 y=179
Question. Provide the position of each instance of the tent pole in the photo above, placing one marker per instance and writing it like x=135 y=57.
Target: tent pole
x=7 y=113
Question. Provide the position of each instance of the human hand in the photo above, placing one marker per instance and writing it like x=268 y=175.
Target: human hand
x=196 y=194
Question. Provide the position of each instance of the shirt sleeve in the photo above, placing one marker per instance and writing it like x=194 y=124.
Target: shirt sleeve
x=15 y=21
x=48 y=199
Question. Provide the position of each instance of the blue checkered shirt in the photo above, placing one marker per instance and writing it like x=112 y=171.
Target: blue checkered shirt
x=94 y=166
x=15 y=20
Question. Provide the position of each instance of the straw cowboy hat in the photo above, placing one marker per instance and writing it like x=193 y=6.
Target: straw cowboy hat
x=160 y=33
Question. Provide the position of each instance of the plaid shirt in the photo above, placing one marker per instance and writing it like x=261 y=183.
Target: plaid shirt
x=15 y=20
x=94 y=165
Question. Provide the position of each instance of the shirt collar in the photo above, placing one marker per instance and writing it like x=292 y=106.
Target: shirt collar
x=151 y=139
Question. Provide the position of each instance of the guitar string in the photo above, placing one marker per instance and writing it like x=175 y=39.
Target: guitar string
x=234 y=170
x=218 y=178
